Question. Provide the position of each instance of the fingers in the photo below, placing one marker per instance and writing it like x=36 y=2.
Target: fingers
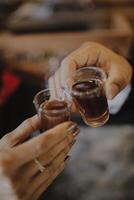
x=43 y=143
x=45 y=185
x=48 y=173
x=116 y=67
x=21 y=133
x=119 y=75
x=86 y=55
x=19 y=179
x=63 y=147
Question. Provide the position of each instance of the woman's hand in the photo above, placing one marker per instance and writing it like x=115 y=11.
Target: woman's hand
x=118 y=70
x=20 y=177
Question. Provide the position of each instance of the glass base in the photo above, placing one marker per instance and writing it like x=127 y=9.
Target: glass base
x=97 y=122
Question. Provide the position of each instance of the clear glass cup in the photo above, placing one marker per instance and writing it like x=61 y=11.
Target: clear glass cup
x=51 y=111
x=88 y=93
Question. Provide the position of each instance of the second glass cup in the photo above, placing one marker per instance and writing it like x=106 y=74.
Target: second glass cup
x=51 y=111
x=88 y=94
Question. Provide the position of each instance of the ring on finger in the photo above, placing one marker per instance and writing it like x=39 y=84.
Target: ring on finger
x=41 y=167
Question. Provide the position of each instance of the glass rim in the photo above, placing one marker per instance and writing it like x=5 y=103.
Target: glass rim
x=53 y=111
x=104 y=75
x=38 y=93
x=35 y=101
x=43 y=91
x=103 y=78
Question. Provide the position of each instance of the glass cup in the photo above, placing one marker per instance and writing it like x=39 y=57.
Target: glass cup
x=88 y=93
x=51 y=111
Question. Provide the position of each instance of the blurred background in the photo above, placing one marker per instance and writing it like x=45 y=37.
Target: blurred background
x=35 y=36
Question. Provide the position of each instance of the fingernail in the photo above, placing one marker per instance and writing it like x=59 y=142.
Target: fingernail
x=72 y=143
x=67 y=158
x=72 y=128
x=76 y=132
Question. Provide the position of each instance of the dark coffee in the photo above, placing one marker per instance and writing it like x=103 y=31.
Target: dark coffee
x=52 y=113
x=90 y=99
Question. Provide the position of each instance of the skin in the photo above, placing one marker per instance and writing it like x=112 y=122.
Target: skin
x=20 y=178
x=118 y=70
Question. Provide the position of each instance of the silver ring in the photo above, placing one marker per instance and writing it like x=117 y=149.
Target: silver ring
x=39 y=164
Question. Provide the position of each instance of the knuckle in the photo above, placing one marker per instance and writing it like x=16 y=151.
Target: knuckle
x=121 y=83
x=65 y=64
x=64 y=61
x=29 y=123
x=48 y=136
x=90 y=44
x=46 y=140
x=39 y=146
x=7 y=138
x=25 y=122
x=86 y=44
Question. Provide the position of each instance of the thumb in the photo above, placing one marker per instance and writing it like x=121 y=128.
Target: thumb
x=21 y=133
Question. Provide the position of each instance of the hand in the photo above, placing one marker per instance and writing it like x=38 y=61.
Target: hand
x=20 y=178
x=118 y=70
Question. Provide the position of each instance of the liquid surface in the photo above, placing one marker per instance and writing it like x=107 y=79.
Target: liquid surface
x=55 y=105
